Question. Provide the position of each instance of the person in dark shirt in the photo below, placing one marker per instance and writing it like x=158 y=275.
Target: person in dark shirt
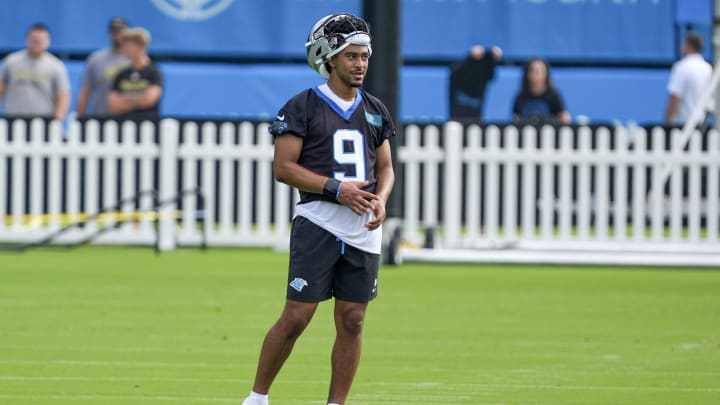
x=539 y=101
x=137 y=89
x=468 y=79
x=332 y=144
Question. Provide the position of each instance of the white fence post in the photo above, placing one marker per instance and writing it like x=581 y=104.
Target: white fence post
x=110 y=172
x=529 y=151
x=245 y=177
x=547 y=194
x=169 y=139
x=127 y=189
x=430 y=179
x=263 y=178
x=713 y=194
x=657 y=195
x=408 y=154
x=639 y=136
x=675 y=213
x=207 y=145
x=474 y=184
x=694 y=211
x=4 y=187
x=92 y=170
x=18 y=176
x=584 y=201
x=225 y=191
x=491 y=178
x=602 y=184
x=37 y=133
x=621 y=184
x=54 y=171
x=510 y=198
x=147 y=172
x=453 y=182
x=189 y=182
x=565 y=211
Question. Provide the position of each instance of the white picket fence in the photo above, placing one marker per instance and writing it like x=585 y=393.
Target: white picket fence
x=507 y=197
x=230 y=163
x=491 y=194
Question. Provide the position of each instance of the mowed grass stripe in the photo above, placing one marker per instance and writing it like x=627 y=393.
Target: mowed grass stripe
x=96 y=398
x=433 y=385
x=189 y=324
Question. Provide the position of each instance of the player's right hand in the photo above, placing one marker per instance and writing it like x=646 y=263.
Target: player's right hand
x=351 y=196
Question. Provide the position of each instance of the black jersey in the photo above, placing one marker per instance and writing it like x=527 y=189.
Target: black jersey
x=336 y=143
x=131 y=80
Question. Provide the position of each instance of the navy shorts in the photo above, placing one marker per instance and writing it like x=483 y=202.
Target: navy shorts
x=321 y=267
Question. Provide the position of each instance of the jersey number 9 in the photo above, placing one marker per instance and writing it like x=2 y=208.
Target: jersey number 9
x=354 y=155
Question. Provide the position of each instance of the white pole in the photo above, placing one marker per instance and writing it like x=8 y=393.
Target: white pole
x=453 y=182
x=169 y=139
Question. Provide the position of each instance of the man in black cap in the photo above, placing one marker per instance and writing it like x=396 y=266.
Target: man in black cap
x=102 y=67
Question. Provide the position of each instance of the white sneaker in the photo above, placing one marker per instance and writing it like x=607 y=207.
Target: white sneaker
x=254 y=401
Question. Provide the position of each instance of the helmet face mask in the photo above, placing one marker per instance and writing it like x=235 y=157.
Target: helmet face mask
x=330 y=35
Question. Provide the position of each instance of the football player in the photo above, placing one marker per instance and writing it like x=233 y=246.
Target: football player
x=331 y=143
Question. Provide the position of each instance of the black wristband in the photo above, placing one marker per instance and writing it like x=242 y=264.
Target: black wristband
x=331 y=188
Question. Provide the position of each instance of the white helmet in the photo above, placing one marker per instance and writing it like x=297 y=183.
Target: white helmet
x=330 y=35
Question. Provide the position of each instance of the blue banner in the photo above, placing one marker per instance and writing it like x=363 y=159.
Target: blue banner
x=254 y=28
x=586 y=30
x=576 y=30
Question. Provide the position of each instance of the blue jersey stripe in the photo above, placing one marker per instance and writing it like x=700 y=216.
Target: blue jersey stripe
x=345 y=114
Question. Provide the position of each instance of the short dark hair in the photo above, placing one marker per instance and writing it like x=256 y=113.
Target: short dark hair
x=38 y=26
x=117 y=24
x=694 y=41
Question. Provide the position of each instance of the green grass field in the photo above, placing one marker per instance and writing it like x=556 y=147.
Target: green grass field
x=104 y=325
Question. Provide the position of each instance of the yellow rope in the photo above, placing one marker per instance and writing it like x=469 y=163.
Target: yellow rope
x=33 y=221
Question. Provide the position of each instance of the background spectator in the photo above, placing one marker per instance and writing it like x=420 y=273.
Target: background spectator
x=468 y=80
x=137 y=89
x=689 y=77
x=102 y=67
x=34 y=81
x=538 y=100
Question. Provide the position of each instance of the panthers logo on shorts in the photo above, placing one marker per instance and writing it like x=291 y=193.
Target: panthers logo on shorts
x=298 y=284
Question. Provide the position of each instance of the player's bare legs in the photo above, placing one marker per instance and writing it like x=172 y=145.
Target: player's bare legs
x=349 y=317
x=279 y=342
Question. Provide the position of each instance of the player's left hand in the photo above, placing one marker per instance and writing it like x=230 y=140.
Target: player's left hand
x=378 y=208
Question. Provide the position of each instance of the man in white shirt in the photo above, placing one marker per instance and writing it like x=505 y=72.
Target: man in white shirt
x=689 y=78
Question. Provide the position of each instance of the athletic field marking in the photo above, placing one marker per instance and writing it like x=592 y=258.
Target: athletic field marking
x=144 y=364
x=141 y=364
x=118 y=397
x=56 y=334
x=175 y=365
x=551 y=387
x=433 y=384
x=129 y=379
x=138 y=349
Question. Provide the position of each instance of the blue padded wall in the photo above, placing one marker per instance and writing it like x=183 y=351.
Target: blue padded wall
x=258 y=91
